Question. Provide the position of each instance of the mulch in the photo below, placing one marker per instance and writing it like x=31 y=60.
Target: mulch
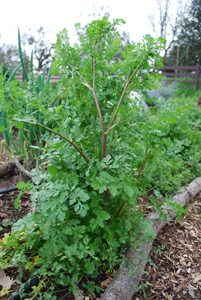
x=174 y=267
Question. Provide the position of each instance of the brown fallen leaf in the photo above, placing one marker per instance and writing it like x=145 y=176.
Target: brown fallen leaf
x=25 y=203
x=2 y=215
x=5 y=281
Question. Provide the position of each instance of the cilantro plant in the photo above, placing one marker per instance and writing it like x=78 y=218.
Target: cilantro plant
x=84 y=200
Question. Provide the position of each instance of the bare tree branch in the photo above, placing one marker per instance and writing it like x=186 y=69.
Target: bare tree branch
x=168 y=22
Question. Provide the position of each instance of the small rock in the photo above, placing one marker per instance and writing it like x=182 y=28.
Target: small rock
x=79 y=295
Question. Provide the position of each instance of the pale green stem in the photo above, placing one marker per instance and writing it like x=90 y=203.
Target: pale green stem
x=122 y=96
x=67 y=139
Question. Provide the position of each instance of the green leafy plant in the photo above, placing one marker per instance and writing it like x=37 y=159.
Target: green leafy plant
x=84 y=204
x=98 y=158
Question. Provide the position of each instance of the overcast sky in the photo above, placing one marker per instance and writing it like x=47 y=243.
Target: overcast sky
x=55 y=15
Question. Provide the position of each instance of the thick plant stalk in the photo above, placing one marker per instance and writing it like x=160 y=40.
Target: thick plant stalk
x=12 y=76
x=4 y=123
x=104 y=141
x=98 y=110
x=92 y=89
x=127 y=279
x=31 y=63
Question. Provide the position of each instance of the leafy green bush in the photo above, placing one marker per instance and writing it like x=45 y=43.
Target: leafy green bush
x=168 y=90
x=176 y=131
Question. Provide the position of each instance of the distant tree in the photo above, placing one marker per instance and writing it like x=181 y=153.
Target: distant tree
x=42 y=47
x=189 y=36
x=178 y=55
x=165 y=23
x=9 y=56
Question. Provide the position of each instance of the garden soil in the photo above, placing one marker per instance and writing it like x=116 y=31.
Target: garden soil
x=174 y=267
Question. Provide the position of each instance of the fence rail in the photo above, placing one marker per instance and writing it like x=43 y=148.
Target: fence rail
x=195 y=74
x=53 y=78
x=172 y=72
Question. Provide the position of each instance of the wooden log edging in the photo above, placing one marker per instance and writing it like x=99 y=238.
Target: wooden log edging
x=127 y=278
x=7 y=168
x=10 y=166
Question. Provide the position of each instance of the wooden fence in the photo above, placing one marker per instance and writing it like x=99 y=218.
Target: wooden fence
x=174 y=72
x=170 y=73
x=53 y=78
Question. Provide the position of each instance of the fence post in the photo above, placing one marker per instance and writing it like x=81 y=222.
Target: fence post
x=197 y=75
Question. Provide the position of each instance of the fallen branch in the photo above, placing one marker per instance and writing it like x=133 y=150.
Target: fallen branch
x=7 y=168
x=10 y=166
x=126 y=281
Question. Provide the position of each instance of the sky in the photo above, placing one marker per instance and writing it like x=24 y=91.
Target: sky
x=58 y=14
x=54 y=15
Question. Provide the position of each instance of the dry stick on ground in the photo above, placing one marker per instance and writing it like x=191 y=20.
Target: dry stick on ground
x=126 y=281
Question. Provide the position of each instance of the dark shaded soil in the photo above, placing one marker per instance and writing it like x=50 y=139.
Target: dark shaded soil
x=8 y=213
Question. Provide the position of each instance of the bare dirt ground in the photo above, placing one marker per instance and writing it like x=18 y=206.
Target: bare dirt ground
x=174 y=267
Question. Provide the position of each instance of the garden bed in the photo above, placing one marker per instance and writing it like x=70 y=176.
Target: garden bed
x=172 y=268
x=103 y=169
